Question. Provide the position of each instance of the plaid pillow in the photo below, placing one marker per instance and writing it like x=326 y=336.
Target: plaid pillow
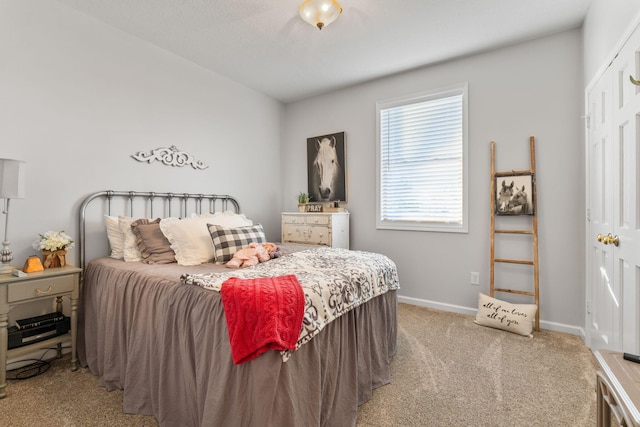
x=227 y=241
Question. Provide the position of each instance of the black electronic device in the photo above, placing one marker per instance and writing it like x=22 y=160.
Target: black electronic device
x=20 y=337
x=44 y=319
x=631 y=357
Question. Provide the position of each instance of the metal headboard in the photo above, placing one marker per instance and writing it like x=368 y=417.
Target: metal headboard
x=141 y=204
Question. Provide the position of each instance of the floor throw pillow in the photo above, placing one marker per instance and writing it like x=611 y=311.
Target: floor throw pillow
x=516 y=318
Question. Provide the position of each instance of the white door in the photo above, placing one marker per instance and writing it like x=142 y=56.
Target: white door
x=626 y=172
x=603 y=314
x=613 y=300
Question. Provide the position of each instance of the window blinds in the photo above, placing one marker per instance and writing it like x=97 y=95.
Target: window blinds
x=421 y=160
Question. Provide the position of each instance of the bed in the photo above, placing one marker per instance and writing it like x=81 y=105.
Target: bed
x=159 y=331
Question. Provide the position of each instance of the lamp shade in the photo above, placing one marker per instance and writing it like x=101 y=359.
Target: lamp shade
x=12 y=179
x=320 y=13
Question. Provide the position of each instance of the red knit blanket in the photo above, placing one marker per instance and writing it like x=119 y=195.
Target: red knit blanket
x=262 y=314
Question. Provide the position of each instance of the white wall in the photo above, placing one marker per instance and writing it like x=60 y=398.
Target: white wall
x=522 y=90
x=79 y=97
x=607 y=21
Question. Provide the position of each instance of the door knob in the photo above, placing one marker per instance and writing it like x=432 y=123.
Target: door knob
x=611 y=240
x=600 y=238
x=634 y=81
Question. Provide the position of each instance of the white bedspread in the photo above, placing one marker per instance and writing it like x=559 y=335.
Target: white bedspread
x=334 y=281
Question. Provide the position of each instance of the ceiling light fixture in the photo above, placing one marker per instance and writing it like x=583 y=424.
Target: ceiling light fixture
x=320 y=13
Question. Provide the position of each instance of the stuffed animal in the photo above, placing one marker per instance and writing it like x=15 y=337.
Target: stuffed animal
x=273 y=250
x=253 y=254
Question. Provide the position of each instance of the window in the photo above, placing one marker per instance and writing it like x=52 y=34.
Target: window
x=422 y=161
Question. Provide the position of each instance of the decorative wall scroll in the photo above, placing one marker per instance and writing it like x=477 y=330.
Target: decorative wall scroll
x=171 y=157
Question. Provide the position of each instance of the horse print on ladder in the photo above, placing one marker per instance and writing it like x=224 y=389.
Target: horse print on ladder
x=514 y=195
x=326 y=168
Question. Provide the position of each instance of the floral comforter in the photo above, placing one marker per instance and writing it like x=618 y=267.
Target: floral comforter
x=334 y=281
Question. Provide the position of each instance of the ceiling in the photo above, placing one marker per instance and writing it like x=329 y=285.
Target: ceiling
x=265 y=45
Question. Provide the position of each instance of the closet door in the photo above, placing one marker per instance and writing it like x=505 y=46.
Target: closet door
x=626 y=161
x=613 y=295
x=603 y=295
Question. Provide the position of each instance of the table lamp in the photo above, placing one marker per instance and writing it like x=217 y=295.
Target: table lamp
x=12 y=186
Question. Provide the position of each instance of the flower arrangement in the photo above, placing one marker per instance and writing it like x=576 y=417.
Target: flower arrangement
x=53 y=241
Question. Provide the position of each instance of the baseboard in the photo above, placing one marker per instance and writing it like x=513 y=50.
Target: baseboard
x=550 y=326
x=437 y=305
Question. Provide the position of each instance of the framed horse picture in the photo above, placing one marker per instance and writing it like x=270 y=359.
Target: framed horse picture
x=514 y=194
x=326 y=168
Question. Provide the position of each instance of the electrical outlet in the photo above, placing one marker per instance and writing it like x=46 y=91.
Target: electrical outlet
x=475 y=278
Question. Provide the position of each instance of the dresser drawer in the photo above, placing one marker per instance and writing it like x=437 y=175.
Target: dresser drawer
x=306 y=219
x=315 y=235
x=40 y=288
x=293 y=219
x=318 y=219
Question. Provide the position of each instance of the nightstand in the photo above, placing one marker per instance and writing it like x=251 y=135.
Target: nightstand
x=324 y=229
x=51 y=283
x=617 y=389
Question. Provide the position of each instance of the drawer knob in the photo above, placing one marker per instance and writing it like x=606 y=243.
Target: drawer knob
x=41 y=292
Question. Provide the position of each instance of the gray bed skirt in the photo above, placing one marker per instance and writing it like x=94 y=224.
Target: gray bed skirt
x=166 y=345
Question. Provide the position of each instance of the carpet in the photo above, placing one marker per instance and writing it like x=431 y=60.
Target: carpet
x=448 y=371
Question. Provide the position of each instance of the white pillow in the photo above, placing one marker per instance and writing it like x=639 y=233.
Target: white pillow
x=130 y=251
x=226 y=219
x=115 y=236
x=190 y=238
x=516 y=318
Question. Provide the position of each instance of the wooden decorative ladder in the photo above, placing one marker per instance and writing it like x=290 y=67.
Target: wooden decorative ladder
x=533 y=231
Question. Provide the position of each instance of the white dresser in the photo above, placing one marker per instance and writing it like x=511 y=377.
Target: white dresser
x=327 y=229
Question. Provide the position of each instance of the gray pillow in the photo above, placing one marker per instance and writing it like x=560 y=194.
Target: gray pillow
x=153 y=245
